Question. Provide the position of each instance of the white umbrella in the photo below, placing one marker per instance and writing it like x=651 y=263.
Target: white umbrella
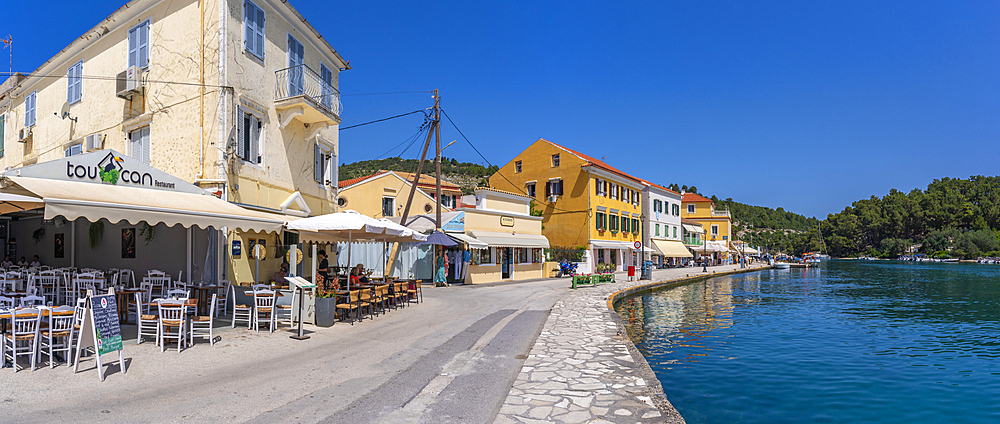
x=333 y=227
x=397 y=234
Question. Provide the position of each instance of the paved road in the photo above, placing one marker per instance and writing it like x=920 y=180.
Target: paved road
x=451 y=359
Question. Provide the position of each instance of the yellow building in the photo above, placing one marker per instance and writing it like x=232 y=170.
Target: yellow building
x=585 y=203
x=384 y=194
x=237 y=96
x=510 y=240
x=717 y=225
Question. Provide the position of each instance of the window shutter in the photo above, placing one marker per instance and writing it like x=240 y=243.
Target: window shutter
x=254 y=139
x=146 y=146
x=548 y=188
x=249 y=28
x=332 y=168
x=317 y=163
x=143 y=50
x=79 y=82
x=133 y=46
x=260 y=32
x=240 y=124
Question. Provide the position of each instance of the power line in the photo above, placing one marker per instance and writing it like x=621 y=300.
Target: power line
x=115 y=78
x=381 y=94
x=498 y=168
x=380 y=120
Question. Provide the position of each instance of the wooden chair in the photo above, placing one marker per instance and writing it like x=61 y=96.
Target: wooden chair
x=149 y=324
x=400 y=294
x=22 y=337
x=415 y=293
x=241 y=312
x=283 y=313
x=171 y=324
x=365 y=300
x=352 y=306
x=58 y=337
x=202 y=326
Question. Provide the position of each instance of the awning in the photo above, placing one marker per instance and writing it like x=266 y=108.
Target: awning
x=604 y=244
x=115 y=203
x=511 y=240
x=469 y=240
x=693 y=228
x=711 y=247
x=672 y=249
x=17 y=203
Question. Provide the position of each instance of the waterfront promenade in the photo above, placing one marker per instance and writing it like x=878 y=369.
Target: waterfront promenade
x=452 y=359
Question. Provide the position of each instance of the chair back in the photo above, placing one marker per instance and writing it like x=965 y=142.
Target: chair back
x=32 y=301
x=24 y=322
x=62 y=319
x=178 y=294
x=171 y=312
x=264 y=299
x=257 y=287
x=212 y=305
x=154 y=273
x=6 y=302
x=126 y=278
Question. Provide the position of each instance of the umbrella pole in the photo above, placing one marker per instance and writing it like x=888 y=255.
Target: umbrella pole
x=349 y=243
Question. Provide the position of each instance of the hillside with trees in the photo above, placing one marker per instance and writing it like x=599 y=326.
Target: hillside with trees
x=467 y=175
x=953 y=217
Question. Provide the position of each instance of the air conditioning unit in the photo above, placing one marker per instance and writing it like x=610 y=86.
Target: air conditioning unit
x=129 y=82
x=94 y=142
x=553 y=198
x=23 y=135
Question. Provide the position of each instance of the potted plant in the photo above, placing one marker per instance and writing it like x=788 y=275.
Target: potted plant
x=326 y=308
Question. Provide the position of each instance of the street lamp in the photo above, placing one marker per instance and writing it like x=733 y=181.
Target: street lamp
x=642 y=248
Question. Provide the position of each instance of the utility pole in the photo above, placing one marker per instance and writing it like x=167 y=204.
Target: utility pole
x=437 y=160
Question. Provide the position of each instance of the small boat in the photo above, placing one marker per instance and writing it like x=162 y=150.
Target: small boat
x=782 y=265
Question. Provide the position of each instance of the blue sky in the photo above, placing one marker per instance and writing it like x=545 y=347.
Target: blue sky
x=802 y=105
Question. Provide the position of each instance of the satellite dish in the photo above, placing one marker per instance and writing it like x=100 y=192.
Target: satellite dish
x=64 y=110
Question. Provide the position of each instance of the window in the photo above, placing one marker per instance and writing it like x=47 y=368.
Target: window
x=675 y=232
x=323 y=164
x=485 y=255
x=74 y=149
x=74 y=82
x=296 y=75
x=715 y=230
x=530 y=189
x=600 y=221
x=656 y=230
x=253 y=29
x=635 y=226
x=553 y=187
x=139 y=145
x=555 y=161
x=614 y=223
x=600 y=256
x=327 y=76
x=388 y=206
x=248 y=136
x=517 y=167
x=536 y=256
x=677 y=210
x=29 y=109
x=341 y=202
x=522 y=255
x=613 y=190
x=138 y=45
x=624 y=225
x=690 y=208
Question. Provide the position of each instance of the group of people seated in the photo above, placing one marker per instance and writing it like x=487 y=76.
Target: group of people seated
x=324 y=278
x=23 y=263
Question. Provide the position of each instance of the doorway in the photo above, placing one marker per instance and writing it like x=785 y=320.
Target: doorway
x=505 y=262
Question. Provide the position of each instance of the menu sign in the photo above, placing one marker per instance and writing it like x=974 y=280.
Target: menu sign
x=109 y=333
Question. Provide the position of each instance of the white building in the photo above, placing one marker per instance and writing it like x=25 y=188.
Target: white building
x=662 y=225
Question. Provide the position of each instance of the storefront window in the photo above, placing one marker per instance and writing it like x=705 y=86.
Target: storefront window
x=522 y=255
x=486 y=257
x=536 y=256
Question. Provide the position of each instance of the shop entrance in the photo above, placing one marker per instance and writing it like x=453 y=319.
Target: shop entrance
x=505 y=262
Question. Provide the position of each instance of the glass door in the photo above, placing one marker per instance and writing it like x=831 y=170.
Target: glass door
x=505 y=261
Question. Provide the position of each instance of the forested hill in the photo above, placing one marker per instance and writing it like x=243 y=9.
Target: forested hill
x=467 y=175
x=764 y=217
x=952 y=217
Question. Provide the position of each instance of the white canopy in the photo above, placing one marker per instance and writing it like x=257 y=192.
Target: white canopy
x=469 y=240
x=495 y=239
x=116 y=203
x=671 y=248
x=693 y=229
x=17 y=203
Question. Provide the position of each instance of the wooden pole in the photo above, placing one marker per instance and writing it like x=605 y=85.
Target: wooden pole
x=416 y=177
x=437 y=160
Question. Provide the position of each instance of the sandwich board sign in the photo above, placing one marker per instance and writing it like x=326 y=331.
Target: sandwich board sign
x=101 y=323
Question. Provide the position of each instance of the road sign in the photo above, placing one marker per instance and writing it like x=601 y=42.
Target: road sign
x=638 y=245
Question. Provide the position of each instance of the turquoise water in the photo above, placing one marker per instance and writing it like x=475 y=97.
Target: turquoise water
x=857 y=342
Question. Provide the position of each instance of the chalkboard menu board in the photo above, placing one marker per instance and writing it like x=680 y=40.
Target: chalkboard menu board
x=109 y=333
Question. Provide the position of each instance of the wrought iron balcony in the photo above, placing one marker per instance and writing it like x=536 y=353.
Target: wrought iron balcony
x=303 y=95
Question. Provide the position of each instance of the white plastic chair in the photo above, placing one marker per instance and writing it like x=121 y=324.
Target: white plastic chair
x=172 y=323
x=58 y=337
x=202 y=326
x=22 y=337
x=263 y=307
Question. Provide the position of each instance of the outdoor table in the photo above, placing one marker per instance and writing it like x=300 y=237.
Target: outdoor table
x=121 y=301
x=203 y=294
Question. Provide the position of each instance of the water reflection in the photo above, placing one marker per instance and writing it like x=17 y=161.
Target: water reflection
x=870 y=342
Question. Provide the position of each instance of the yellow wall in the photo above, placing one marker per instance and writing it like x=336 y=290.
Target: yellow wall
x=703 y=215
x=486 y=221
x=569 y=225
x=624 y=209
x=366 y=197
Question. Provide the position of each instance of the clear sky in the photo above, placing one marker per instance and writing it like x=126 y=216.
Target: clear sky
x=804 y=105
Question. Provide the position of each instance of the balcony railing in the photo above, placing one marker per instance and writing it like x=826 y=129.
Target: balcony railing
x=720 y=213
x=300 y=80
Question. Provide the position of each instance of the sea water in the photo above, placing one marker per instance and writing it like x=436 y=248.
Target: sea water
x=858 y=342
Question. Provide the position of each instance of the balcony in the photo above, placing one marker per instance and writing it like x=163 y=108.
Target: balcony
x=692 y=241
x=720 y=213
x=303 y=96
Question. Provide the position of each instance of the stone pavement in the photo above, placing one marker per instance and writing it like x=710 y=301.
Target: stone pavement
x=584 y=369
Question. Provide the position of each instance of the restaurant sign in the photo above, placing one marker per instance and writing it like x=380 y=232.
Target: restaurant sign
x=106 y=167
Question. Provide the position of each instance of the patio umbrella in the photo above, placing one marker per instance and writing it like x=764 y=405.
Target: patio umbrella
x=17 y=203
x=334 y=226
x=438 y=238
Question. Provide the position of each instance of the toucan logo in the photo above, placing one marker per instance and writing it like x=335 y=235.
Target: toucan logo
x=110 y=168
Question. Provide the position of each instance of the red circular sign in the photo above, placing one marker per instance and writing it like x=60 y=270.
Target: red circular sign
x=638 y=245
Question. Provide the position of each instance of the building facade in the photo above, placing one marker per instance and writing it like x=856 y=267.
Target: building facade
x=239 y=97
x=384 y=195
x=717 y=224
x=584 y=202
x=662 y=225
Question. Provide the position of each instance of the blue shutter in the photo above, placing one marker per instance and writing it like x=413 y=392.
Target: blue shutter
x=317 y=163
x=74 y=82
x=133 y=45
x=3 y=125
x=143 y=48
x=29 y=109
x=240 y=124
x=249 y=29
x=254 y=139
x=259 y=33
